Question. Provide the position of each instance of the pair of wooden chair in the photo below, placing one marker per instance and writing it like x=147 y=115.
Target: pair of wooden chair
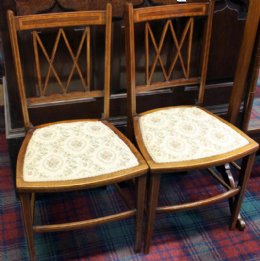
x=80 y=154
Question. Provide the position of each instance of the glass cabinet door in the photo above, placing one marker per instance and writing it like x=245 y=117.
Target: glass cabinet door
x=251 y=121
x=254 y=121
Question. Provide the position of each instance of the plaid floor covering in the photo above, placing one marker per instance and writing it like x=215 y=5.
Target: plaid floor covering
x=192 y=235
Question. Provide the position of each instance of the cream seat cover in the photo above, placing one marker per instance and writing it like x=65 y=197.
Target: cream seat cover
x=75 y=150
x=186 y=133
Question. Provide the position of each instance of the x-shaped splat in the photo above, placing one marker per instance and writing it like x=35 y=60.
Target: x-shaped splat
x=50 y=60
x=158 y=49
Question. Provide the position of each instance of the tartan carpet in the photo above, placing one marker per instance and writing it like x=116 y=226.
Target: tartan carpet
x=200 y=234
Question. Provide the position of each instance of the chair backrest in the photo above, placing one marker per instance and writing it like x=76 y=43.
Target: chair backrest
x=55 y=82
x=169 y=48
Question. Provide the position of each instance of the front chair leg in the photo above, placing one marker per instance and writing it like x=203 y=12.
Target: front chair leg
x=152 y=200
x=140 y=199
x=246 y=169
x=229 y=179
x=26 y=205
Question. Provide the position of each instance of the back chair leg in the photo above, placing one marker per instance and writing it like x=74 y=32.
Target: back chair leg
x=28 y=222
x=140 y=200
x=229 y=179
x=153 y=193
x=245 y=173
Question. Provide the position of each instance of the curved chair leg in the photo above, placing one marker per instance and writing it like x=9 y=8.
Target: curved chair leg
x=140 y=199
x=229 y=179
x=153 y=192
x=246 y=168
x=26 y=205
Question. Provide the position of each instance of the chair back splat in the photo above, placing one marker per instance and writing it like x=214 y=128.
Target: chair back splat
x=71 y=34
x=70 y=154
x=168 y=55
x=169 y=47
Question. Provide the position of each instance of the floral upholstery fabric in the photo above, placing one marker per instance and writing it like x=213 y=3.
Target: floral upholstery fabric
x=186 y=133
x=75 y=150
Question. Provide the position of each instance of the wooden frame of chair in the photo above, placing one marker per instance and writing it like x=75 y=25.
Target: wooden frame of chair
x=27 y=190
x=168 y=12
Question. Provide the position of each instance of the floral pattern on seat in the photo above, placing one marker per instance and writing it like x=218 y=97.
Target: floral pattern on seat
x=186 y=133
x=75 y=150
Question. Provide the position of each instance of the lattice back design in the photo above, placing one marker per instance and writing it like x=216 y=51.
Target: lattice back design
x=175 y=43
x=168 y=50
x=43 y=77
x=58 y=83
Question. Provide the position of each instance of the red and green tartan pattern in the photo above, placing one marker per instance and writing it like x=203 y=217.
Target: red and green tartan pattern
x=200 y=234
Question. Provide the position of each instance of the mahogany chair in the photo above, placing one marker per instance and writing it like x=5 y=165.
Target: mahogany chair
x=70 y=155
x=187 y=137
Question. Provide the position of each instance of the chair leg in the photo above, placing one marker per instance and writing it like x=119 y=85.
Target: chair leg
x=245 y=173
x=140 y=199
x=153 y=193
x=229 y=179
x=28 y=222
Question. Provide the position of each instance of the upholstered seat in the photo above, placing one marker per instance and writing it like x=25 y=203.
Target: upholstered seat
x=75 y=150
x=186 y=133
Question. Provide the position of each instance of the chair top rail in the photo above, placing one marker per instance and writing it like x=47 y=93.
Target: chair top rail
x=53 y=20
x=170 y=11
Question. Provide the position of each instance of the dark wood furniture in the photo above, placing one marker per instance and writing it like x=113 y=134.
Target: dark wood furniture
x=228 y=24
x=247 y=72
x=180 y=138
x=75 y=154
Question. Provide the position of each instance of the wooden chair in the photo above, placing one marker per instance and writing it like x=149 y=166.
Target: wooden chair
x=187 y=137
x=70 y=155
